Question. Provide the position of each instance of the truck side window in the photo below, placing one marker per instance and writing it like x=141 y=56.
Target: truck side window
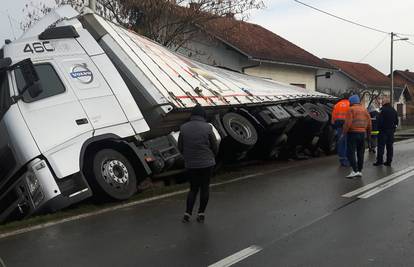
x=49 y=79
x=5 y=100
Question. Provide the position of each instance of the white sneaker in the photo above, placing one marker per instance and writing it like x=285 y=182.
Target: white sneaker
x=352 y=175
x=359 y=174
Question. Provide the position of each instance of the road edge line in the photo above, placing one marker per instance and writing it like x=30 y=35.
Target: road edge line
x=386 y=185
x=376 y=183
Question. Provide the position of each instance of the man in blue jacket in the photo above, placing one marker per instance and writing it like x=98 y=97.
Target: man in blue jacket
x=387 y=123
x=199 y=147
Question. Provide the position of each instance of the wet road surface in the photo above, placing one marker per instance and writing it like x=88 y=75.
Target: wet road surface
x=296 y=216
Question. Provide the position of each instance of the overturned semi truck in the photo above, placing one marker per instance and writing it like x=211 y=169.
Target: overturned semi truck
x=88 y=107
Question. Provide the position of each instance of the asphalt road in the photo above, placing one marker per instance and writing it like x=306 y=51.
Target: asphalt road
x=295 y=216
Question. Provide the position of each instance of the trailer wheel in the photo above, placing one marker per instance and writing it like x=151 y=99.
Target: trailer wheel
x=316 y=113
x=113 y=175
x=240 y=130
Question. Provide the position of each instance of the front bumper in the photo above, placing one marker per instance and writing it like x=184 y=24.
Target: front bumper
x=37 y=191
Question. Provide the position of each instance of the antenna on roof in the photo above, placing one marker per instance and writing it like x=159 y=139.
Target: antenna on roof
x=11 y=25
x=92 y=5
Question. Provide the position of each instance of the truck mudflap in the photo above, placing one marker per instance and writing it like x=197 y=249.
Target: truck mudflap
x=37 y=191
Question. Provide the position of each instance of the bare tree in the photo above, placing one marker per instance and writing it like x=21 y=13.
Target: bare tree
x=169 y=22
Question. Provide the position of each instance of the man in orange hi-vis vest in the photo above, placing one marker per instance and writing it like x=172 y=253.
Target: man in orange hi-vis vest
x=338 y=119
x=357 y=125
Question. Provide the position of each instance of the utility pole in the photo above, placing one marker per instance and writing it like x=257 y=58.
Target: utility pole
x=391 y=65
x=392 y=70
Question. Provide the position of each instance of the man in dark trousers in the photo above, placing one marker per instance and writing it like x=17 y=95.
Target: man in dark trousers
x=387 y=123
x=357 y=124
x=199 y=147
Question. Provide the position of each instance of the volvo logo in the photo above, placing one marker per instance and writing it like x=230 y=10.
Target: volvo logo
x=82 y=73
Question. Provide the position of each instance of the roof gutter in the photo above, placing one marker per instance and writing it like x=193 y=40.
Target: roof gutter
x=292 y=64
x=251 y=66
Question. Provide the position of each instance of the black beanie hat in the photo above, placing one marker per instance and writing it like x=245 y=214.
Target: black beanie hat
x=198 y=110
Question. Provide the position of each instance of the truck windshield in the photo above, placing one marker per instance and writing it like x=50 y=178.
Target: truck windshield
x=5 y=100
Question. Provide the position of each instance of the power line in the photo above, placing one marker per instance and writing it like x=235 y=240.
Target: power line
x=343 y=19
x=373 y=49
x=411 y=43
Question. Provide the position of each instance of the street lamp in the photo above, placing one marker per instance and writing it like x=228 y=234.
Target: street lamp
x=392 y=67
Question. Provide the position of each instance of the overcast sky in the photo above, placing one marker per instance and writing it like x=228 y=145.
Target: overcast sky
x=317 y=33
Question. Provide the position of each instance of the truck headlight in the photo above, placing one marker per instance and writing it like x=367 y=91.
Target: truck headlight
x=32 y=183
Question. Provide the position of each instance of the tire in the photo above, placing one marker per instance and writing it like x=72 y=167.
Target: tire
x=316 y=119
x=112 y=175
x=316 y=113
x=240 y=130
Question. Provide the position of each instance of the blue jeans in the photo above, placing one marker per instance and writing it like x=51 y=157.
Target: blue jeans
x=341 y=147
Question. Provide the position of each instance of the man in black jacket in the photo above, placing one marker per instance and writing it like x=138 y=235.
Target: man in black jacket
x=387 y=123
x=199 y=147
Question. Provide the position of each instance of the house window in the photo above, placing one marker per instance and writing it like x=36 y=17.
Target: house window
x=299 y=85
x=49 y=80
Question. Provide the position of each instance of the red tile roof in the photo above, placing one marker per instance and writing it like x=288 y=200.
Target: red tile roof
x=407 y=75
x=402 y=78
x=362 y=73
x=259 y=43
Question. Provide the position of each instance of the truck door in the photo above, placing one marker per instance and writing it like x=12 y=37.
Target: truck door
x=55 y=116
x=95 y=95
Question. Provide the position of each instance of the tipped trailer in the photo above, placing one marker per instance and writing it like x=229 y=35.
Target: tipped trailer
x=88 y=107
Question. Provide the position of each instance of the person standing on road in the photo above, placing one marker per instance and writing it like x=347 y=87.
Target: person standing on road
x=387 y=123
x=357 y=123
x=373 y=113
x=199 y=147
x=338 y=118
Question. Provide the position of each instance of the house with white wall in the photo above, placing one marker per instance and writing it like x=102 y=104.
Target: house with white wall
x=251 y=49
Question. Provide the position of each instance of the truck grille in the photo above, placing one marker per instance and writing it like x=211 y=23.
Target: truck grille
x=7 y=163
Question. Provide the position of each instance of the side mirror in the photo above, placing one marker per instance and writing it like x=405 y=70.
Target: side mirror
x=5 y=63
x=30 y=77
x=35 y=89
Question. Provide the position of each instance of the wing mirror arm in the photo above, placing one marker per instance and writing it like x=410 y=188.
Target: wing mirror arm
x=30 y=77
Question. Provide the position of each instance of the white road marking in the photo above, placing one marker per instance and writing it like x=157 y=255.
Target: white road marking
x=384 y=186
x=2 y=264
x=237 y=257
x=378 y=182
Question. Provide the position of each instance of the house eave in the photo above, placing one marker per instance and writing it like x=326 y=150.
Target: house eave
x=291 y=64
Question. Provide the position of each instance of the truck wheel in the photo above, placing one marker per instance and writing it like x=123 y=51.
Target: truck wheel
x=240 y=130
x=113 y=175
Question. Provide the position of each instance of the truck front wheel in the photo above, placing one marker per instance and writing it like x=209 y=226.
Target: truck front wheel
x=113 y=175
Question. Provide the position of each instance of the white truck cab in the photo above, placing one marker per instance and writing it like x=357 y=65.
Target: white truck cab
x=42 y=134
